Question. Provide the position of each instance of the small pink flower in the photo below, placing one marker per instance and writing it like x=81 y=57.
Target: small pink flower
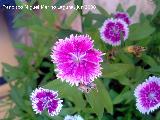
x=45 y=99
x=76 y=60
x=114 y=31
x=123 y=16
x=148 y=95
x=75 y=117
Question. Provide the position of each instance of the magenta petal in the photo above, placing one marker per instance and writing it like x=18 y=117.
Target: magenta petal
x=40 y=106
x=52 y=106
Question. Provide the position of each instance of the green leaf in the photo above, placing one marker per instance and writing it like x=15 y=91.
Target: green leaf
x=25 y=9
x=142 y=17
x=97 y=17
x=131 y=10
x=156 y=11
x=124 y=80
x=68 y=92
x=140 y=31
x=87 y=22
x=139 y=74
x=32 y=2
x=144 y=42
x=102 y=10
x=94 y=33
x=119 y=8
x=66 y=32
x=70 y=19
x=115 y=70
x=43 y=30
x=95 y=102
x=67 y=111
x=8 y=73
x=90 y=17
x=154 y=70
x=148 y=60
x=24 y=47
x=79 y=3
x=23 y=21
x=158 y=115
x=100 y=99
x=126 y=58
x=122 y=96
x=47 y=15
x=105 y=97
x=17 y=98
x=61 y=2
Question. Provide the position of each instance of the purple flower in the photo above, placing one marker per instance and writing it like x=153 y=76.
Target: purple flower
x=113 y=30
x=148 y=95
x=76 y=60
x=75 y=117
x=45 y=99
x=123 y=16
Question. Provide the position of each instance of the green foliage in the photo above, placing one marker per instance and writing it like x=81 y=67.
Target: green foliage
x=120 y=8
x=98 y=99
x=113 y=99
x=70 y=19
x=61 y=2
x=140 y=30
x=131 y=10
x=69 y=93
x=102 y=11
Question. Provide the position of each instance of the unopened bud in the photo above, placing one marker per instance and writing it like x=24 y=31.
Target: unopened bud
x=135 y=50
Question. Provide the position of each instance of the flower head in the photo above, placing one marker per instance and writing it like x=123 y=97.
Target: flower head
x=45 y=99
x=75 y=117
x=123 y=16
x=113 y=30
x=148 y=95
x=76 y=60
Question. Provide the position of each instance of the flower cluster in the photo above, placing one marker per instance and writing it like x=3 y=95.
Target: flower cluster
x=148 y=95
x=44 y=99
x=79 y=63
x=116 y=29
x=76 y=60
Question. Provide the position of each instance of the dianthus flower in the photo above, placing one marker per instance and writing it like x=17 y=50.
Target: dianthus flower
x=75 y=117
x=148 y=95
x=45 y=99
x=76 y=60
x=123 y=16
x=114 y=31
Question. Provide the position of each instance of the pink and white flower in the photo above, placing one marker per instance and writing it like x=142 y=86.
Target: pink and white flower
x=45 y=99
x=114 y=31
x=76 y=60
x=75 y=117
x=123 y=16
x=148 y=95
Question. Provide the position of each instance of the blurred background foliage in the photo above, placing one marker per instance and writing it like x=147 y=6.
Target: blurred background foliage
x=122 y=71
